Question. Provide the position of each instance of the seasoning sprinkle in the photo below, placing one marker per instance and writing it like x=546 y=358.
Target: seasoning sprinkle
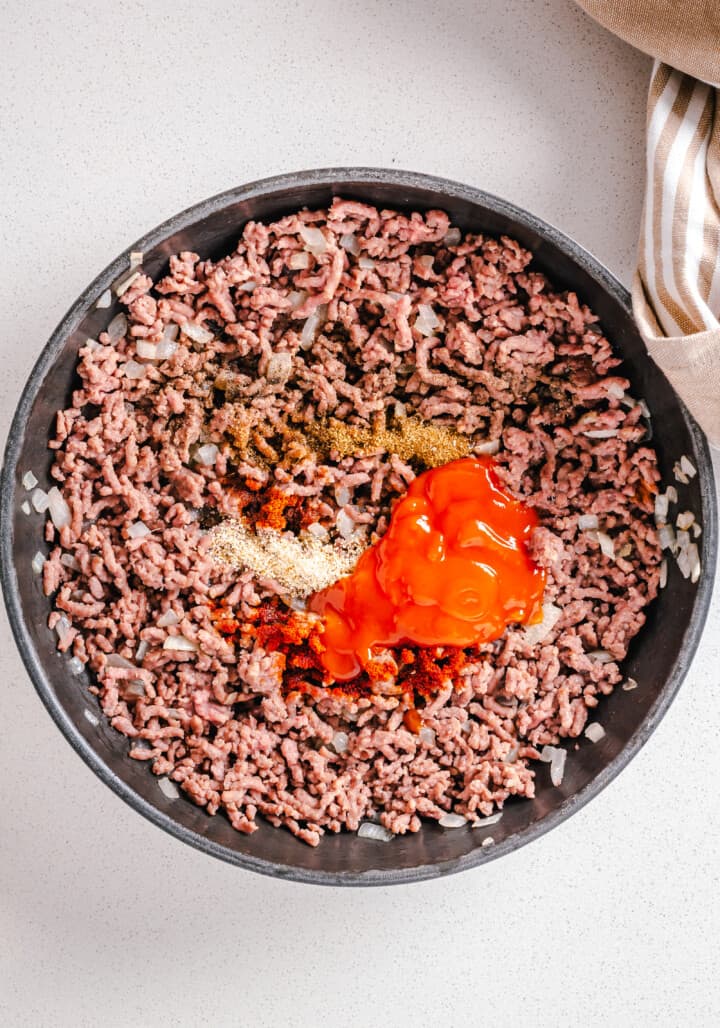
x=410 y=437
x=299 y=566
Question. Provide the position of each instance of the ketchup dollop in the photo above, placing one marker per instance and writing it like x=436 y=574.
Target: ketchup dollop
x=452 y=570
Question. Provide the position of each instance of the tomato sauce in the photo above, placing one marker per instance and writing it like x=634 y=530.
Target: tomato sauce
x=452 y=570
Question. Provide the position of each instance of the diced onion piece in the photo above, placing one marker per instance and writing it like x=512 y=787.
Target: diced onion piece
x=168 y=619
x=165 y=349
x=588 y=521
x=340 y=742
x=487 y=842
x=491 y=447
x=197 y=333
x=546 y=754
x=594 y=732
x=59 y=509
x=29 y=481
x=682 y=539
x=679 y=474
x=171 y=332
x=25 y=507
x=672 y=494
x=312 y=325
x=68 y=561
x=146 y=350
x=115 y=660
x=366 y=263
x=645 y=409
x=662 y=582
x=40 y=501
x=169 y=788
x=687 y=467
x=662 y=504
x=38 y=562
x=695 y=567
x=136 y=258
x=601 y=656
x=104 y=300
x=75 y=666
x=485 y=822
x=117 y=328
x=342 y=495
x=345 y=524
x=607 y=546
x=349 y=242
x=601 y=433
x=299 y=260
x=140 y=652
x=557 y=767
x=248 y=287
x=137 y=530
x=427 y=320
x=685 y=519
x=427 y=736
x=124 y=284
x=629 y=685
x=616 y=391
x=314 y=239
x=688 y=559
x=452 y=237
x=279 y=368
x=400 y=409
x=666 y=537
x=297 y=297
x=62 y=628
x=426 y=262
x=179 y=642
x=207 y=454
x=369 y=830
x=133 y=370
x=134 y=690
x=91 y=344
x=452 y=821
x=533 y=634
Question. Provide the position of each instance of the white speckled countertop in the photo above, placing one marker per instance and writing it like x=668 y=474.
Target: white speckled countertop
x=114 y=117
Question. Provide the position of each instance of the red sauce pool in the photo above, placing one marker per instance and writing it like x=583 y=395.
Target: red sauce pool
x=451 y=570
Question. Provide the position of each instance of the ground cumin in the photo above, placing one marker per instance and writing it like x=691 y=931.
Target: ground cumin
x=408 y=437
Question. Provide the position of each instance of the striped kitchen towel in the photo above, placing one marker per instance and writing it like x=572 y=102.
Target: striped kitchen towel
x=676 y=291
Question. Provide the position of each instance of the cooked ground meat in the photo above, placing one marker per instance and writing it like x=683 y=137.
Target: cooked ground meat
x=317 y=316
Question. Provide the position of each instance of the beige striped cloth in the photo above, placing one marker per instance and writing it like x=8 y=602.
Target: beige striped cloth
x=676 y=291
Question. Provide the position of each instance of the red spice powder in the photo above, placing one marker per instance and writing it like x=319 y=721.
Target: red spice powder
x=429 y=672
x=299 y=639
x=272 y=512
x=412 y=720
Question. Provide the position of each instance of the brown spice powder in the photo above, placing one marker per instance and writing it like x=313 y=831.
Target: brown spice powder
x=410 y=438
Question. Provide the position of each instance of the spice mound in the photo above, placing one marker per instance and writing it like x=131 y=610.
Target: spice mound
x=451 y=570
x=298 y=566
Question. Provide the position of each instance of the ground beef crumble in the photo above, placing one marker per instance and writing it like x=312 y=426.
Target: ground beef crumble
x=310 y=317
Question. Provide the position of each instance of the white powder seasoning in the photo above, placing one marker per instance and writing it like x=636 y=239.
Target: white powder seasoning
x=301 y=566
